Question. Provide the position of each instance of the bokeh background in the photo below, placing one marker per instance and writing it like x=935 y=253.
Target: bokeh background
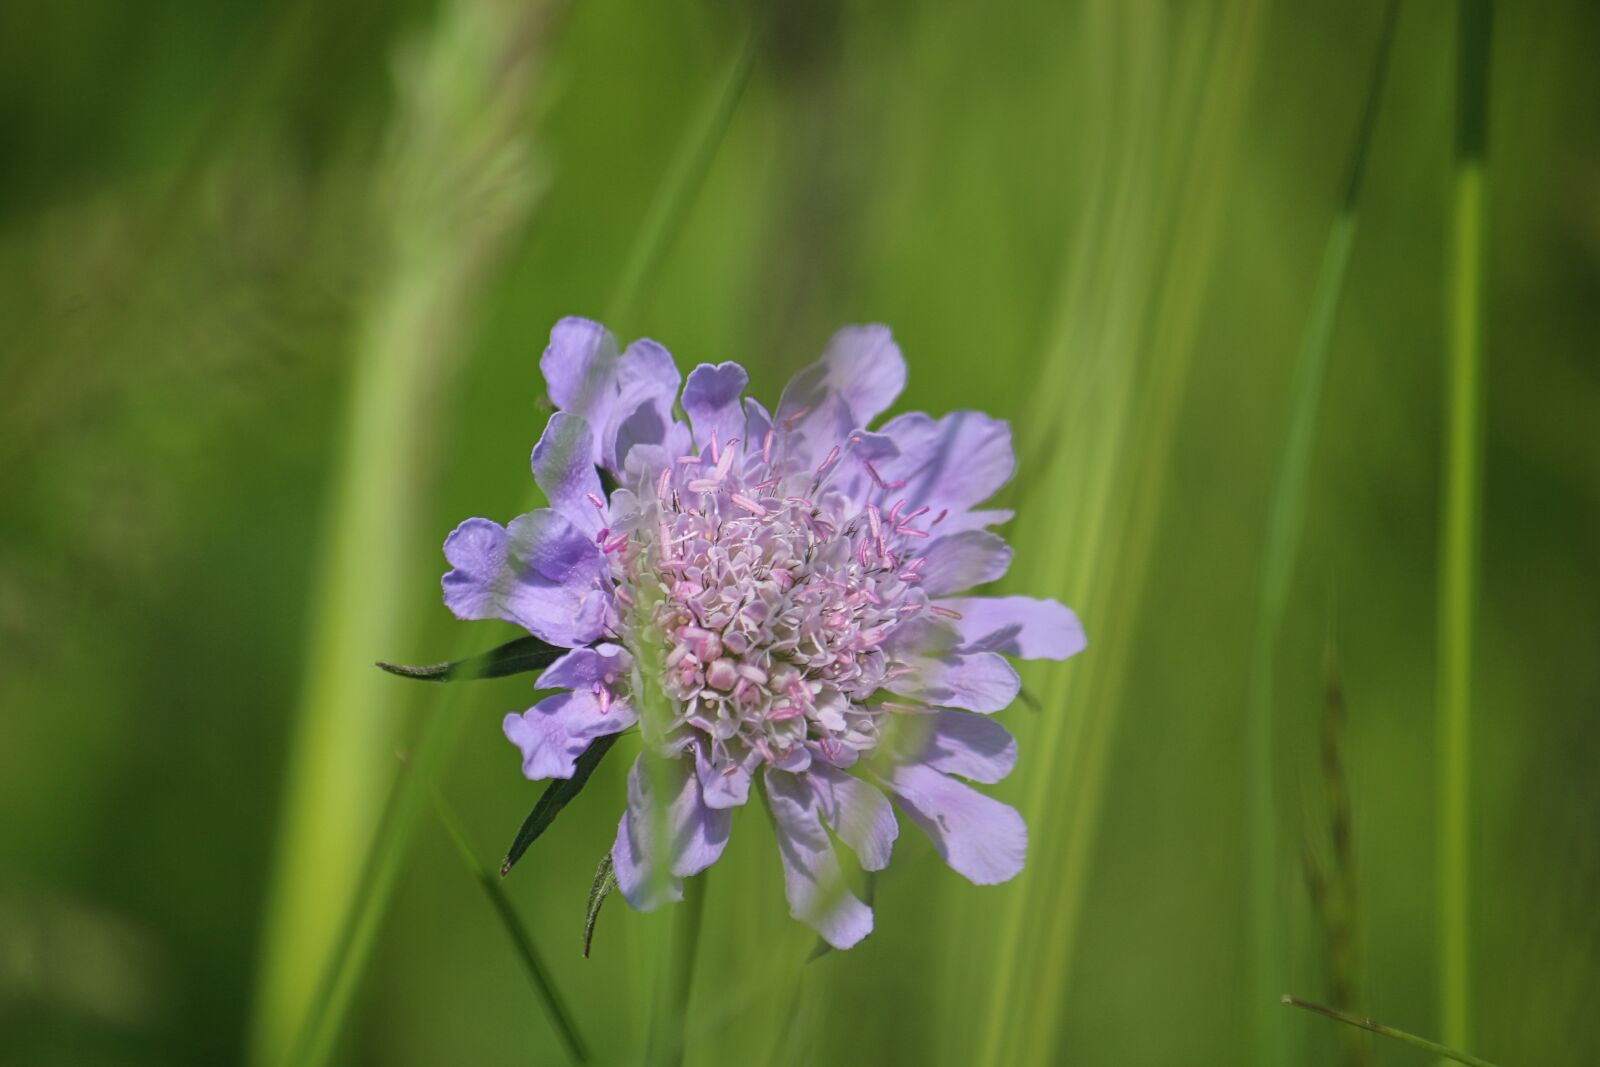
x=273 y=282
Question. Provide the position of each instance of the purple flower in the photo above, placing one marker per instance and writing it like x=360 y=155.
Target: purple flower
x=783 y=588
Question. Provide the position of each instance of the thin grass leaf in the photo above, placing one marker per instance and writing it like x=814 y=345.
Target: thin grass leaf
x=1285 y=519
x=543 y=984
x=335 y=991
x=1388 y=1031
x=1102 y=521
x=455 y=181
x=683 y=179
x=1461 y=493
x=605 y=880
x=557 y=795
x=513 y=657
x=675 y=980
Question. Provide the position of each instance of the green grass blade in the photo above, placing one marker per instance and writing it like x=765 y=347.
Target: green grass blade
x=452 y=185
x=1458 y=534
x=684 y=177
x=1285 y=519
x=670 y=1003
x=1388 y=1031
x=1103 y=518
x=538 y=975
x=336 y=989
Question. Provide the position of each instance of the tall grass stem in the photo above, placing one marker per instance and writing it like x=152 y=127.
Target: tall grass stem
x=1461 y=495
x=1443 y=1051
x=675 y=980
x=1286 y=510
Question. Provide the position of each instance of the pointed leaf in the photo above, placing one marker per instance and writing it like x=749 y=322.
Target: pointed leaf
x=605 y=880
x=555 y=797
x=513 y=657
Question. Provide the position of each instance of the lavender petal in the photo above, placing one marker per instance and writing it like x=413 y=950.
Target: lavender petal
x=564 y=467
x=1017 y=625
x=980 y=838
x=812 y=879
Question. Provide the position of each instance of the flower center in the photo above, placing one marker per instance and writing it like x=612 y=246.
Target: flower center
x=771 y=595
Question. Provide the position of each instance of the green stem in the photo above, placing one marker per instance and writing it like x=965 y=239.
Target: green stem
x=335 y=992
x=1458 y=536
x=1388 y=1031
x=677 y=978
x=538 y=974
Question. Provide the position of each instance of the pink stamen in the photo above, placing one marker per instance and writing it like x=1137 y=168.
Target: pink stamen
x=766 y=447
x=948 y=613
x=594 y=499
x=833 y=456
x=910 y=531
x=749 y=505
x=703 y=485
x=713 y=446
x=789 y=423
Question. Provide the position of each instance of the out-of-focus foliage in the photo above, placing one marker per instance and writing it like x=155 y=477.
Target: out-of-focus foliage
x=1102 y=220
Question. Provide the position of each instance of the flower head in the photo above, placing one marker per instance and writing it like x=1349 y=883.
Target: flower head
x=772 y=594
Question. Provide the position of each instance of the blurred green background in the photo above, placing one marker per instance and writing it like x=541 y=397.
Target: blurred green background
x=273 y=282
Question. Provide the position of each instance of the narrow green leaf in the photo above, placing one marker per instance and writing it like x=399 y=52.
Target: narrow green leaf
x=513 y=657
x=1388 y=1031
x=1460 y=526
x=521 y=939
x=682 y=180
x=555 y=797
x=605 y=880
